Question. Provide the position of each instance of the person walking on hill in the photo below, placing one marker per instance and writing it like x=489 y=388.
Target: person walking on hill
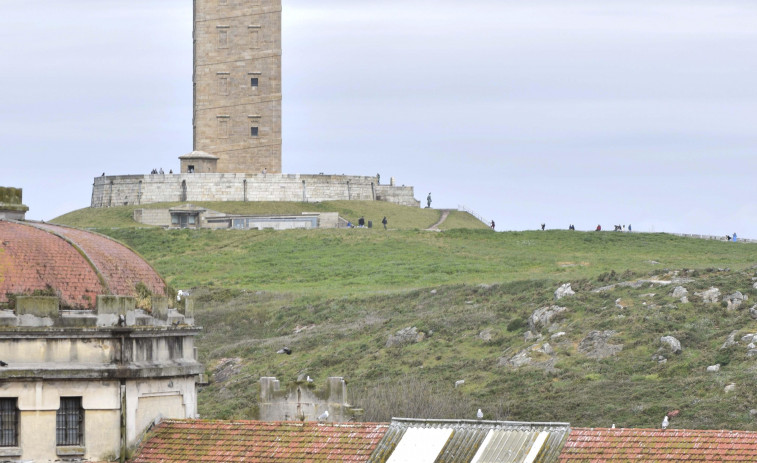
x=428 y=200
x=492 y=225
x=384 y=221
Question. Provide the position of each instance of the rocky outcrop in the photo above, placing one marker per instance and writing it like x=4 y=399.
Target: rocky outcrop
x=711 y=296
x=672 y=343
x=735 y=300
x=544 y=317
x=730 y=341
x=405 y=336
x=681 y=294
x=595 y=345
x=563 y=291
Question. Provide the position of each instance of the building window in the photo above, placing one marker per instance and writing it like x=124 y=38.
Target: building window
x=69 y=420
x=223 y=85
x=8 y=423
x=254 y=36
x=253 y=131
x=223 y=38
x=223 y=127
x=254 y=81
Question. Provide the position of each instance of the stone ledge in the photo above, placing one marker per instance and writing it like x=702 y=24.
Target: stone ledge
x=10 y=451
x=70 y=450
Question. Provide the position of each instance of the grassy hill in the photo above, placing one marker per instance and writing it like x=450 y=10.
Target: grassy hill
x=464 y=298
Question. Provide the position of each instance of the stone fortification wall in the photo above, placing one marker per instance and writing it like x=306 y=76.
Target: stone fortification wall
x=126 y=190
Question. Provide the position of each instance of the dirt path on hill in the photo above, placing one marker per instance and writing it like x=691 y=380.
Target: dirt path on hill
x=435 y=227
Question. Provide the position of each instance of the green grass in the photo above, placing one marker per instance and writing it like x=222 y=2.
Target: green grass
x=359 y=261
x=399 y=217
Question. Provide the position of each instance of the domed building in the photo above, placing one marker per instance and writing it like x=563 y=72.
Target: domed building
x=93 y=350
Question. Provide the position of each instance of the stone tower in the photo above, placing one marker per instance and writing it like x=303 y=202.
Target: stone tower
x=237 y=83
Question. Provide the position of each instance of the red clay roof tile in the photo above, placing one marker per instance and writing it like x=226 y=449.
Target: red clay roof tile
x=257 y=441
x=76 y=264
x=671 y=445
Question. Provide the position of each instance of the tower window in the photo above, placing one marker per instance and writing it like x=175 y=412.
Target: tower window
x=223 y=38
x=254 y=82
x=223 y=85
x=253 y=131
x=69 y=419
x=8 y=423
x=254 y=36
x=223 y=127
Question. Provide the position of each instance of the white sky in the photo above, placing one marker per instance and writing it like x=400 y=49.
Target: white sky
x=556 y=111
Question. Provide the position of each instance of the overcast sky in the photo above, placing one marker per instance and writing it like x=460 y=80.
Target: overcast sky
x=530 y=111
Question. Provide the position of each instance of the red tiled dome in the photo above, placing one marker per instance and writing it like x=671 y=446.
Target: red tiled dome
x=77 y=265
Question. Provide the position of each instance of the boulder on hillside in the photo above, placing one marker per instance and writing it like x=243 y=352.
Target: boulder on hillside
x=542 y=318
x=710 y=296
x=518 y=360
x=753 y=312
x=730 y=341
x=405 y=336
x=595 y=345
x=672 y=343
x=485 y=335
x=734 y=300
x=563 y=291
x=227 y=368
x=714 y=368
x=681 y=293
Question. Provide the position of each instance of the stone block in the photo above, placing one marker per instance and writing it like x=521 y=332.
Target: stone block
x=188 y=308
x=160 y=307
x=39 y=306
x=116 y=305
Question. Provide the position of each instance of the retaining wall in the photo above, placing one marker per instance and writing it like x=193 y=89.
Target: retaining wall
x=127 y=190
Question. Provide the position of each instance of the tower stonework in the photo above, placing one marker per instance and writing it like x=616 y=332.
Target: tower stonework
x=237 y=83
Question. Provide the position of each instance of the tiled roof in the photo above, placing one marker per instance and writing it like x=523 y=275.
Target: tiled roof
x=656 y=445
x=76 y=264
x=467 y=441
x=258 y=441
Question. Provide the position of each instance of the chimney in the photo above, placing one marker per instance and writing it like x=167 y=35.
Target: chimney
x=11 y=207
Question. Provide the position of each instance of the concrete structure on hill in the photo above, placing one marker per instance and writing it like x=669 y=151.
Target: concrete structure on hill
x=237 y=124
x=190 y=216
x=92 y=351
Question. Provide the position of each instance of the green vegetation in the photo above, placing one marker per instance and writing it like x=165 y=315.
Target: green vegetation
x=359 y=261
x=335 y=297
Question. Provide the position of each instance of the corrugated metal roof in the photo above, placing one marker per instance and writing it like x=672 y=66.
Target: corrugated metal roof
x=472 y=441
x=420 y=445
